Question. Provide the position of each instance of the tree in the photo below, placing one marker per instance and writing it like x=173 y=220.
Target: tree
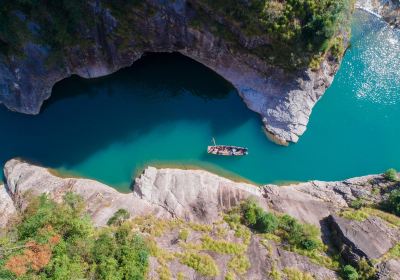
x=349 y=273
x=266 y=222
x=392 y=203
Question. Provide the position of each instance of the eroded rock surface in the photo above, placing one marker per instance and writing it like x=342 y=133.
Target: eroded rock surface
x=189 y=194
x=313 y=201
x=283 y=99
x=389 y=10
x=389 y=270
x=371 y=238
x=7 y=208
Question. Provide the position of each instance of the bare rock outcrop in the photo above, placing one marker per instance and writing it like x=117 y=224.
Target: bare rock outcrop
x=314 y=201
x=370 y=239
x=193 y=195
x=7 y=208
x=389 y=270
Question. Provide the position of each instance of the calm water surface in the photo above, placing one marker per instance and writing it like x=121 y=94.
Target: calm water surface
x=166 y=108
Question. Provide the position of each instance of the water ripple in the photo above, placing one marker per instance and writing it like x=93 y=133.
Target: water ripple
x=375 y=70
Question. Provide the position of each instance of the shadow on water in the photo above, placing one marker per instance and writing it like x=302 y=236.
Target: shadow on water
x=85 y=116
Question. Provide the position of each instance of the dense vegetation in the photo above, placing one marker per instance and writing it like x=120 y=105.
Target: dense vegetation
x=300 y=31
x=291 y=232
x=58 y=241
x=55 y=23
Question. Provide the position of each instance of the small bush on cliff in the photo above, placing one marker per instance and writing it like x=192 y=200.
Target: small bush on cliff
x=255 y=217
x=349 y=273
x=357 y=203
x=119 y=217
x=58 y=241
x=392 y=203
x=291 y=232
x=391 y=175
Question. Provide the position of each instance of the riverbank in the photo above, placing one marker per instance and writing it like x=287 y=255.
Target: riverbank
x=200 y=198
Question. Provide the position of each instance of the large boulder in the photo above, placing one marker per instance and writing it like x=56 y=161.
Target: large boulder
x=369 y=239
x=313 y=201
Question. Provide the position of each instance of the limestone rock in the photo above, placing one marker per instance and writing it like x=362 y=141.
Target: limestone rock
x=370 y=239
x=313 y=201
x=189 y=194
x=7 y=208
x=389 y=270
x=284 y=100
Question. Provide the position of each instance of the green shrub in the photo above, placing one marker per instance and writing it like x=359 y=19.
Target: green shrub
x=298 y=235
x=119 y=217
x=395 y=251
x=255 y=217
x=391 y=175
x=357 y=203
x=349 y=273
x=392 y=203
x=266 y=223
x=365 y=270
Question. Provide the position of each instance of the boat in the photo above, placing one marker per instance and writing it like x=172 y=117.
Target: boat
x=226 y=150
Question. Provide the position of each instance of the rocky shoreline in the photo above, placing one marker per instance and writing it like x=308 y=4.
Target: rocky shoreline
x=388 y=10
x=199 y=196
x=283 y=99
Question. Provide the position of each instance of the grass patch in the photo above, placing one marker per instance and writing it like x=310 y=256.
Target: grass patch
x=275 y=274
x=162 y=255
x=200 y=227
x=156 y=227
x=296 y=274
x=240 y=264
x=201 y=263
x=355 y=215
x=394 y=253
x=272 y=237
x=230 y=276
x=390 y=218
x=183 y=234
x=222 y=246
x=164 y=273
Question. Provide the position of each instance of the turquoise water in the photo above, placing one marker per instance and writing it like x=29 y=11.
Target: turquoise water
x=166 y=108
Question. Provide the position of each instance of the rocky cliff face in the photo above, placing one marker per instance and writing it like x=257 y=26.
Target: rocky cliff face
x=389 y=10
x=197 y=196
x=283 y=99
